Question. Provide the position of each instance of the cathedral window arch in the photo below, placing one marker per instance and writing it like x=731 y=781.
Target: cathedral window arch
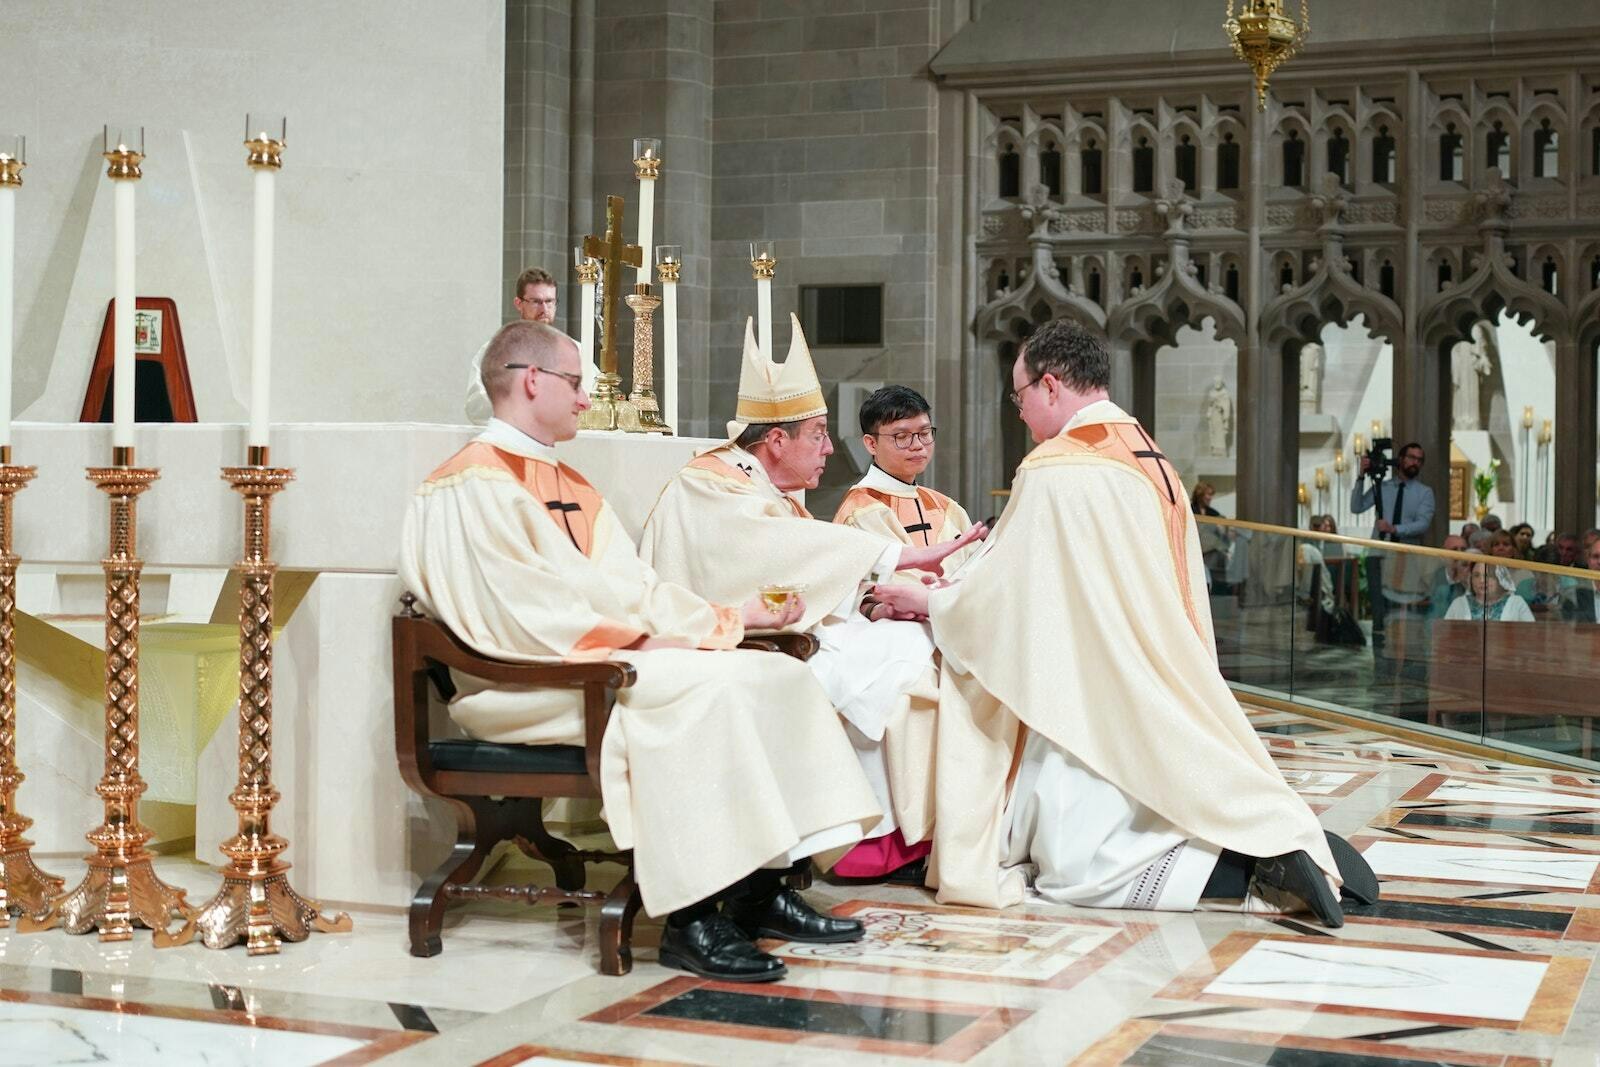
x=1497 y=152
x=1092 y=166
x=1385 y=156
x=1546 y=149
x=1452 y=154
x=1050 y=166
x=1010 y=172
x=1339 y=155
x=1186 y=161
x=1386 y=278
x=1550 y=274
x=1144 y=164
x=1229 y=171
x=1294 y=160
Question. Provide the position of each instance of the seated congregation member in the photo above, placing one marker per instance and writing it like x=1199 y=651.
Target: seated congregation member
x=1087 y=740
x=720 y=767
x=1491 y=594
x=726 y=525
x=897 y=429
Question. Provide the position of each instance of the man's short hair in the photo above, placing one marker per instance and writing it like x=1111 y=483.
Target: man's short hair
x=1079 y=359
x=537 y=343
x=532 y=276
x=756 y=432
x=1408 y=446
x=891 y=404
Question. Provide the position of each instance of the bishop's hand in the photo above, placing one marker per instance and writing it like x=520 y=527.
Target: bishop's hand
x=932 y=557
x=756 y=615
x=906 y=601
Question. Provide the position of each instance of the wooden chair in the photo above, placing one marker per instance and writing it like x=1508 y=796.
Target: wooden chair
x=496 y=791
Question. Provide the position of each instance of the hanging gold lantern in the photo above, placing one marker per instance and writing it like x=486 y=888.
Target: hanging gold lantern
x=1265 y=37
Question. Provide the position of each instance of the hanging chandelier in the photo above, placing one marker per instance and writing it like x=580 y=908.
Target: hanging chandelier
x=1264 y=36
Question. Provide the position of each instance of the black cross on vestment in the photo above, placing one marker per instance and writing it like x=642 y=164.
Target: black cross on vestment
x=565 y=508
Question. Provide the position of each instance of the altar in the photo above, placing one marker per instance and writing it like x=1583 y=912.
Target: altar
x=358 y=834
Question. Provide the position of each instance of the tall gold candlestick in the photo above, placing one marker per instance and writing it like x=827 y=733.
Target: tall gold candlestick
x=256 y=902
x=643 y=397
x=121 y=887
x=23 y=886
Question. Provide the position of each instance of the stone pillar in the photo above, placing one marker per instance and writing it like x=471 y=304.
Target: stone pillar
x=1575 y=435
x=580 y=159
x=1422 y=413
x=538 y=104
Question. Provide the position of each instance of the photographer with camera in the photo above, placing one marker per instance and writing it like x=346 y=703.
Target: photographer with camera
x=1405 y=511
x=1405 y=505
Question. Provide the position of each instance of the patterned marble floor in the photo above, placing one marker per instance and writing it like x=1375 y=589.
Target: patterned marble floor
x=1480 y=953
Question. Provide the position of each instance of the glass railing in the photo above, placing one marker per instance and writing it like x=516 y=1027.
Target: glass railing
x=1500 y=652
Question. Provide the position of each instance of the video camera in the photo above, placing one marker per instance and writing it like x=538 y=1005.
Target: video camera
x=1380 y=458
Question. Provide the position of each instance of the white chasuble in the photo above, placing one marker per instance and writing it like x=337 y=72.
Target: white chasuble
x=724 y=530
x=716 y=761
x=1085 y=622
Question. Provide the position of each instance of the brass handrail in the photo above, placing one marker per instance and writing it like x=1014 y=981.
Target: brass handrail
x=1397 y=548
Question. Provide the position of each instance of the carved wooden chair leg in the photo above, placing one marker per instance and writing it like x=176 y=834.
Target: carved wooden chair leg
x=540 y=844
x=799 y=876
x=475 y=839
x=616 y=927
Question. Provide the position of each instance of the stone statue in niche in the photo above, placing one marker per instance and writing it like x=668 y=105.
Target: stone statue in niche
x=1002 y=285
x=1311 y=378
x=1470 y=361
x=1219 y=417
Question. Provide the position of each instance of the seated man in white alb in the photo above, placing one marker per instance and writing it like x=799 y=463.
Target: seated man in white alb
x=1087 y=741
x=726 y=525
x=721 y=767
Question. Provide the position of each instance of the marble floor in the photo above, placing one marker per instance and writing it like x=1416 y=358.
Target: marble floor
x=1479 y=953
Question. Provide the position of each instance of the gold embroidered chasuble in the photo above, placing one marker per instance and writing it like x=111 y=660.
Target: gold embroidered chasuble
x=1086 y=619
x=523 y=560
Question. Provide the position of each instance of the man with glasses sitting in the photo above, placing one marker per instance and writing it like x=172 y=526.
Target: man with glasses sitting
x=727 y=525
x=897 y=428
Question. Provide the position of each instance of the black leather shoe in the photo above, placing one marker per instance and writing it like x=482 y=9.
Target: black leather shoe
x=787 y=916
x=914 y=873
x=1360 y=883
x=713 y=947
x=1293 y=883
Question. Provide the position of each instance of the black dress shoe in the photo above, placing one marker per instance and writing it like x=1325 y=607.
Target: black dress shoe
x=786 y=915
x=713 y=947
x=1293 y=883
x=914 y=873
x=1360 y=883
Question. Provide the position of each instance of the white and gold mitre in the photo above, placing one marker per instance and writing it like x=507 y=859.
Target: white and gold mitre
x=777 y=392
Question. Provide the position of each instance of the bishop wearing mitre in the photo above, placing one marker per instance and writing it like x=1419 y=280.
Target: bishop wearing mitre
x=1087 y=742
x=523 y=560
x=728 y=525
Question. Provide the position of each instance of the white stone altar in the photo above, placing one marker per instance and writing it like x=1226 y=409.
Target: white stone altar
x=358 y=834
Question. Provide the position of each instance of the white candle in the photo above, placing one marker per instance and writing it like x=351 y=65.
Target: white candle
x=261 y=310
x=586 y=336
x=8 y=222
x=764 y=316
x=647 y=222
x=122 y=320
x=669 y=359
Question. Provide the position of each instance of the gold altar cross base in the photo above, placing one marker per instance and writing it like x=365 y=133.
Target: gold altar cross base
x=608 y=408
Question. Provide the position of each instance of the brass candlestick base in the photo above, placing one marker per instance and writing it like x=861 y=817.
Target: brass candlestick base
x=256 y=903
x=644 y=361
x=23 y=886
x=608 y=408
x=121 y=887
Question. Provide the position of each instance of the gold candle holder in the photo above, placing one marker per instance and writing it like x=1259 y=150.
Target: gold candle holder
x=23 y=886
x=256 y=904
x=121 y=887
x=643 y=397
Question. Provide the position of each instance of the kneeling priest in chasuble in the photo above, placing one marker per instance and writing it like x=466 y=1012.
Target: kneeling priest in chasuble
x=897 y=429
x=1087 y=742
x=720 y=767
x=727 y=526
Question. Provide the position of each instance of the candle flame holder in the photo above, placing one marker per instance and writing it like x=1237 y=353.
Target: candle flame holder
x=23 y=886
x=643 y=397
x=121 y=887
x=256 y=904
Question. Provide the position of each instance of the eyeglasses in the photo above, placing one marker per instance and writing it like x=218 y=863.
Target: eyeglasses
x=1016 y=394
x=574 y=380
x=902 y=440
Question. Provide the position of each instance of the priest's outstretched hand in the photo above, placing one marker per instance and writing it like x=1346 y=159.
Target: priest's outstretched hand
x=757 y=616
x=906 y=601
x=931 y=558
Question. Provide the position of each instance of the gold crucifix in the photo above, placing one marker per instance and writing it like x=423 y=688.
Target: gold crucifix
x=613 y=254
